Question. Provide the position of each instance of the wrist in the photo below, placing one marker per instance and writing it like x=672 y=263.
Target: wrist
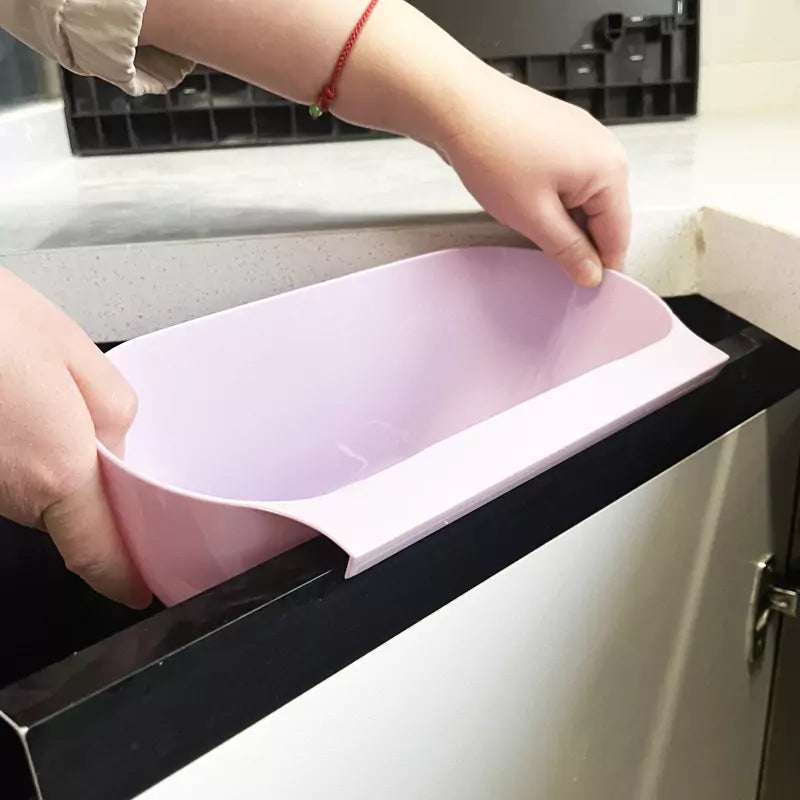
x=463 y=111
x=408 y=76
x=458 y=102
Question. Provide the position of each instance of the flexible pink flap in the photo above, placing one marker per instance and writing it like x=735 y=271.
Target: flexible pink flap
x=380 y=515
x=377 y=407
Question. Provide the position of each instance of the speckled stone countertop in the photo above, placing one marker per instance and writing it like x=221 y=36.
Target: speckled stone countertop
x=210 y=229
x=748 y=165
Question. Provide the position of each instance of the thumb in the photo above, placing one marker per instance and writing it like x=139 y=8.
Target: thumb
x=554 y=230
x=83 y=530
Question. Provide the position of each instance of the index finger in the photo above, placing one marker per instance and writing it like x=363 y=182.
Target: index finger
x=609 y=221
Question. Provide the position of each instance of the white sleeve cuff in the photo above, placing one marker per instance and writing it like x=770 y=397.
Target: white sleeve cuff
x=101 y=38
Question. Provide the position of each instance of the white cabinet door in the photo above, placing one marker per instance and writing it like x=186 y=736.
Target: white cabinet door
x=608 y=664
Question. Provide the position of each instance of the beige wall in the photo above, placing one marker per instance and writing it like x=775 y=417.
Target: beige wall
x=750 y=55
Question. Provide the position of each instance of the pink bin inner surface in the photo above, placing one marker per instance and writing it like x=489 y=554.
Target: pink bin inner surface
x=307 y=392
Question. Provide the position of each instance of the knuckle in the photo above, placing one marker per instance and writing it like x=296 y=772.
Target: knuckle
x=89 y=564
x=572 y=251
x=582 y=115
x=618 y=160
x=63 y=474
x=114 y=412
x=123 y=406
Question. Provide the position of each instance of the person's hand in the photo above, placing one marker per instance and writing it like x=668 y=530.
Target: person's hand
x=57 y=392
x=528 y=159
x=532 y=161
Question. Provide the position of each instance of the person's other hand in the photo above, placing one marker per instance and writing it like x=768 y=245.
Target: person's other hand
x=532 y=161
x=57 y=392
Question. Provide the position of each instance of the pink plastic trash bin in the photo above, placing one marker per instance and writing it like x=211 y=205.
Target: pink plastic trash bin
x=375 y=408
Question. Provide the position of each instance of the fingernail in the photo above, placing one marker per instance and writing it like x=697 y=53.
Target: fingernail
x=617 y=263
x=139 y=600
x=589 y=273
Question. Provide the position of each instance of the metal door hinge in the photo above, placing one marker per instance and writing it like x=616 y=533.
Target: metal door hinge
x=770 y=596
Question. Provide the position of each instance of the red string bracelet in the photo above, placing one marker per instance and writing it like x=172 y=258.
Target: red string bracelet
x=328 y=93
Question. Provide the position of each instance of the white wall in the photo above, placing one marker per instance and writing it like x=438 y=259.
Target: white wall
x=749 y=55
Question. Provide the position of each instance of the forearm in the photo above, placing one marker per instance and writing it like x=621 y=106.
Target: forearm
x=405 y=74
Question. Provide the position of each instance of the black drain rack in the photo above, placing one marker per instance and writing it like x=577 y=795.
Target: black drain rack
x=632 y=68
